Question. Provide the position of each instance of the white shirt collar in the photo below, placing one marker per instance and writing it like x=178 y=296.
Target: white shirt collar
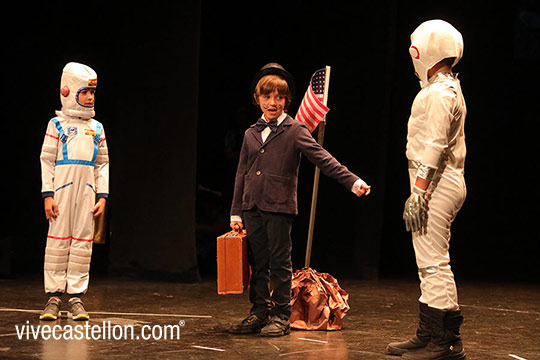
x=279 y=119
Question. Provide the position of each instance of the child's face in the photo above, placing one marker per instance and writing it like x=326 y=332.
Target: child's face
x=87 y=97
x=272 y=105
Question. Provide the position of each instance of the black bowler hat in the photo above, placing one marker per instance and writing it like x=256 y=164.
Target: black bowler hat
x=273 y=69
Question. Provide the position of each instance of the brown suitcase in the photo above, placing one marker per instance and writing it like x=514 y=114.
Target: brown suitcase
x=232 y=266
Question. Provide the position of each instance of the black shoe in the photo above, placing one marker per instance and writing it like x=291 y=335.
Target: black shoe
x=250 y=325
x=400 y=348
x=276 y=327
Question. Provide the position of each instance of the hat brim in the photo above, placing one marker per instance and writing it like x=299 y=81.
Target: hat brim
x=284 y=74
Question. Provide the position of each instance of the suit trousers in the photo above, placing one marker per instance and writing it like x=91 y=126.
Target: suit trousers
x=70 y=237
x=437 y=284
x=269 y=254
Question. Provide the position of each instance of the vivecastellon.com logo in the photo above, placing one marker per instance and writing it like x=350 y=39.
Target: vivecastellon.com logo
x=104 y=331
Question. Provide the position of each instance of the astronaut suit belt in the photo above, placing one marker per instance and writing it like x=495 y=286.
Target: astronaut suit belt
x=447 y=194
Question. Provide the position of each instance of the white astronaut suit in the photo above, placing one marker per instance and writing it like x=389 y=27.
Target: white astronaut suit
x=436 y=152
x=75 y=170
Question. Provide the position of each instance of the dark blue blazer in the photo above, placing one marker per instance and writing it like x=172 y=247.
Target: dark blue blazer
x=267 y=174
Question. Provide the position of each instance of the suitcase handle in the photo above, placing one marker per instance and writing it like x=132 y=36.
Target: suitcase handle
x=235 y=233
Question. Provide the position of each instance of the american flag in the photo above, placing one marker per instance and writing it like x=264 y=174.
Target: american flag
x=312 y=110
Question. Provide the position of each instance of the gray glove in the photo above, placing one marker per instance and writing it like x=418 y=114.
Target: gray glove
x=415 y=212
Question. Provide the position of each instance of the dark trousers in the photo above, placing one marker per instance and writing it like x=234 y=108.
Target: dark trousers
x=269 y=254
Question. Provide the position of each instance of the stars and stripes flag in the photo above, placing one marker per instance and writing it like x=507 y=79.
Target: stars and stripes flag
x=312 y=109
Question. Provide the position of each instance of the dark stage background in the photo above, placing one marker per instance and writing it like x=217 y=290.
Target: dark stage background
x=173 y=96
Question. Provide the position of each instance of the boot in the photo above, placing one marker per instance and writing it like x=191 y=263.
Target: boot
x=419 y=341
x=445 y=341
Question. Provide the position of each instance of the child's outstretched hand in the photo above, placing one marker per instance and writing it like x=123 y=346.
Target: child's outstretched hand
x=361 y=188
x=99 y=207
x=51 y=209
x=365 y=189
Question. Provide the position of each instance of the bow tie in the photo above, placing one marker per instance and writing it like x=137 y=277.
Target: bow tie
x=262 y=124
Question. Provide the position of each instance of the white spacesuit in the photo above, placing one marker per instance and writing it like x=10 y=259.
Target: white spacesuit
x=436 y=153
x=75 y=170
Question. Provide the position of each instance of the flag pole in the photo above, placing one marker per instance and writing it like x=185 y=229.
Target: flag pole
x=320 y=140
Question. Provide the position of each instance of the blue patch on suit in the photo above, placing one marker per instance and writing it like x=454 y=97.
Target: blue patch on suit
x=72 y=131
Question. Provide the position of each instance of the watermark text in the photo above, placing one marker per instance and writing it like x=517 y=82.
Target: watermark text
x=104 y=331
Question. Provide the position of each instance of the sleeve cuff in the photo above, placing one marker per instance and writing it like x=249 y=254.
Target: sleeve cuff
x=357 y=184
x=102 y=195
x=236 y=218
x=46 y=194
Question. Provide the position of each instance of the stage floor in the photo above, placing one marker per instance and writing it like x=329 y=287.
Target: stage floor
x=502 y=321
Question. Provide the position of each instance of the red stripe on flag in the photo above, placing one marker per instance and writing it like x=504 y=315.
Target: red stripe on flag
x=310 y=115
x=315 y=104
x=311 y=125
x=301 y=116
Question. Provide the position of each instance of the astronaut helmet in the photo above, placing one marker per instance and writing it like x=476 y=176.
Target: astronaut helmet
x=431 y=42
x=76 y=78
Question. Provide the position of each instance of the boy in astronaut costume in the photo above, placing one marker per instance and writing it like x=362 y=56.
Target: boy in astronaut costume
x=74 y=172
x=436 y=153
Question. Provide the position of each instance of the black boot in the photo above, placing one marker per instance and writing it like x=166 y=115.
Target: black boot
x=445 y=341
x=419 y=341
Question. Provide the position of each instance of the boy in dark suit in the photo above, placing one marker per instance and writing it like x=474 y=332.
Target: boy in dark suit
x=264 y=200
